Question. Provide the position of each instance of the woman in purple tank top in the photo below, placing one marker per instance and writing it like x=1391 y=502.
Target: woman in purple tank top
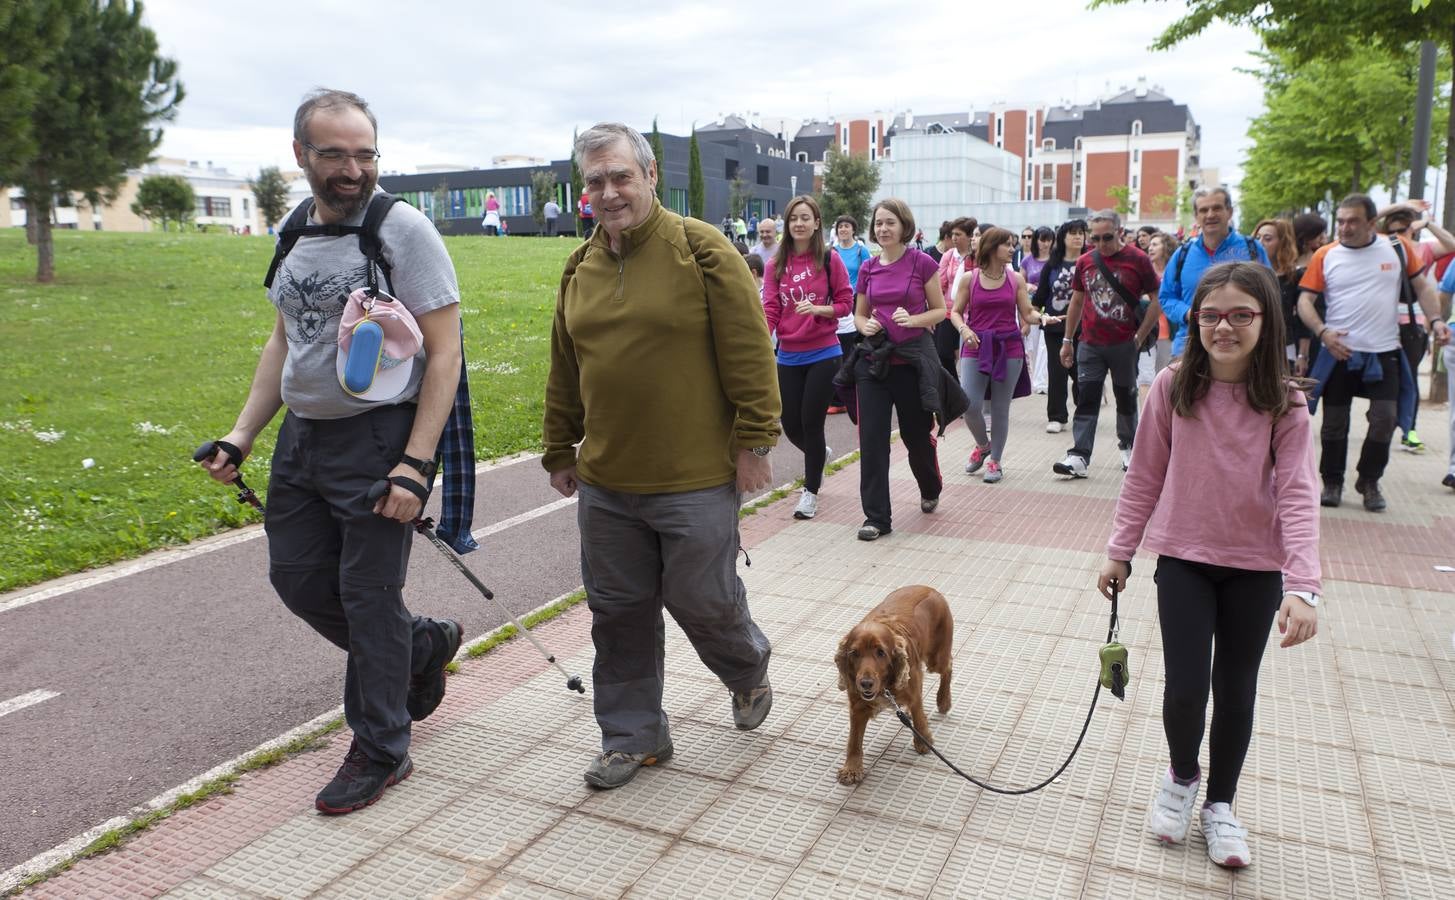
x=990 y=305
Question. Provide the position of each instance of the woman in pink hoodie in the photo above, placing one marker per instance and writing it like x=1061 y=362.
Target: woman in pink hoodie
x=805 y=291
x=1221 y=486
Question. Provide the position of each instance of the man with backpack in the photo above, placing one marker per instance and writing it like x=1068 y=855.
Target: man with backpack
x=336 y=558
x=661 y=408
x=1215 y=243
x=1361 y=277
x=1107 y=288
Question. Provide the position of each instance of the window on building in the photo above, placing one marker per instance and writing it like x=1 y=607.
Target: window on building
x=801 y=156
x=873 y=152
x=1078 y=143
x=999 y=126
x=1048 y=173
x=1135 y=179
x=219 y=207
x=1136 y=156
x=1048 y=144
x=729 y=169
x=873 y=135
x=762 y=174
x=245 y=207
x=1137 y=127
x=677 y=200
x=17 y=203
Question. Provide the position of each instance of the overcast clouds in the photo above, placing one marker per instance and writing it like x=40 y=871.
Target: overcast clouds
x=460 y=82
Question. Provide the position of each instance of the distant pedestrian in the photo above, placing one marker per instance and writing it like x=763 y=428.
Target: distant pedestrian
x=1222 y=488
x=1216 y=243
x=767 y=245
x=752 y=227
x=740 y=229
x=491 y=222
x=585 y=215
x=853 y=254
x=552 y=212
x=1053 y=297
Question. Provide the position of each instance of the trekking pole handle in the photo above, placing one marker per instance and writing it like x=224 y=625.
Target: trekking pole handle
x=209 y=450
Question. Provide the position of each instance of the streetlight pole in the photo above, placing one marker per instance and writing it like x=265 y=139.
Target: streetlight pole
x=1424 y=101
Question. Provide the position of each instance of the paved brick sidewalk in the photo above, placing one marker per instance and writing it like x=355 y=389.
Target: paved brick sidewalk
x=1347 y=790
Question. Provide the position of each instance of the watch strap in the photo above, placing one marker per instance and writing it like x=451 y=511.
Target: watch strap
x=425 y=467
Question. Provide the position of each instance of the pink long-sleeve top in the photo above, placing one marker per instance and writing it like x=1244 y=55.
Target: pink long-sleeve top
x=805 y=278
x=1228 y=486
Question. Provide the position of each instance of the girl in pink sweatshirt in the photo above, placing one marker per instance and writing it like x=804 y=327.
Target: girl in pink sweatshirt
x=1221 y=486
x=805 y=291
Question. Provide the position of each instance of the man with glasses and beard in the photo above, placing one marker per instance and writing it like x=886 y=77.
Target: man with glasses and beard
x=336 y=558
x=1107 y=313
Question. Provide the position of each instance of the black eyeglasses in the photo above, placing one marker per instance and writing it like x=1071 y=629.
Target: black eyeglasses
x=366 y=160
x=1238 y=318
x=1099 y=238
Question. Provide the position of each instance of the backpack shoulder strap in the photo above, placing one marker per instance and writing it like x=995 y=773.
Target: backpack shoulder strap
x=293 y=228
x=1177 y=270
x=369 y=243
x=1406 y=289
x=1252 y=251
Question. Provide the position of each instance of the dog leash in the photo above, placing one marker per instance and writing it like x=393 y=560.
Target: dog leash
x=1113 y=676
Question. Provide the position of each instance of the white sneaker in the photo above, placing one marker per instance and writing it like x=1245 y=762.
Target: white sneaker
x=1126 y=458
x=807 y=505
x=1053 y=428
x=1171 y=813
x=1072 y=465
x=1227 y=839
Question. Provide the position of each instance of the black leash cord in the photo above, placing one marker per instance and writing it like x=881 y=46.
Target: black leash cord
x=1012 y=792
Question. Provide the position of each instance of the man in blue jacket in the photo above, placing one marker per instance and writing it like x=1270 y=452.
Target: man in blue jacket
x=1217 y=243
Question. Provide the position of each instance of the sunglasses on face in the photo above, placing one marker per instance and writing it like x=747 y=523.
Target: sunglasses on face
x=1099 y=238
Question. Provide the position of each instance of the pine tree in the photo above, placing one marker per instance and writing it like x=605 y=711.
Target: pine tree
x=578 y=184
x=661 y=162
x=696 y=187
x=93 y=112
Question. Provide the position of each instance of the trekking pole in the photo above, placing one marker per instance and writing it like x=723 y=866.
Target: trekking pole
x=234 y=455
x=425 y=526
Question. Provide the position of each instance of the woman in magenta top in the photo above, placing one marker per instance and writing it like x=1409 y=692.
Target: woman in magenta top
x=899 y=295
x=1221 y=486
x=802 y=300
x=991 y=302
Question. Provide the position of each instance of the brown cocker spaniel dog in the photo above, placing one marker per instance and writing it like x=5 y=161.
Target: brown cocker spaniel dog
x=889 y=650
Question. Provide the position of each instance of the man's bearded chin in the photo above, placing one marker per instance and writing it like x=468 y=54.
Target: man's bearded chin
x=345 y=205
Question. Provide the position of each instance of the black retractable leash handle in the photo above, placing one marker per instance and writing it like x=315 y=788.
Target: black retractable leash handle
x=1114 y=677
x=234 y=455
x=425 y=526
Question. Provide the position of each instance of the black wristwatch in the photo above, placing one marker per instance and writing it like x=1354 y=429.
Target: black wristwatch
x=425 y=467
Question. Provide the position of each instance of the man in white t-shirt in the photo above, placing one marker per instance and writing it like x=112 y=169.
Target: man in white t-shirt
x=1359 y=278
x=767 y=241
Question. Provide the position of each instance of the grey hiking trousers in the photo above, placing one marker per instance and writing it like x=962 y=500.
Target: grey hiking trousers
x=639 y=554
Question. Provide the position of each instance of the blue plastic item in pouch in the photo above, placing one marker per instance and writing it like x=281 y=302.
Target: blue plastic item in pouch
x=365 y=350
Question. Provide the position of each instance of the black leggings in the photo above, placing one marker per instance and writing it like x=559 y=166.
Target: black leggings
x=1057 y=376
x=1201 y=605
x=806 y=392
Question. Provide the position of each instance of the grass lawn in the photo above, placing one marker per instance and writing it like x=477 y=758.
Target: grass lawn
x=144 y=347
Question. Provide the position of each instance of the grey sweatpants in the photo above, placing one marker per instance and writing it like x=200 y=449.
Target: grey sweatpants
x=974 y=382
x=639 y=554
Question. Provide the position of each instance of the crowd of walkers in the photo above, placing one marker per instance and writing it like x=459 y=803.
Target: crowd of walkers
x=1233 y=341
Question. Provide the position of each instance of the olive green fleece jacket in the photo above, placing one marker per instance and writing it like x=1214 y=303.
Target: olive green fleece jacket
x=661 y=365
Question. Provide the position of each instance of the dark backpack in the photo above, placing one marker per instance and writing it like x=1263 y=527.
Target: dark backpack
x=297 y=226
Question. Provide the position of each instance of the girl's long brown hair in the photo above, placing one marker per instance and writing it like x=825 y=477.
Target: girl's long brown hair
x=1268 y=379
x=1287 y=245
x=816 y=245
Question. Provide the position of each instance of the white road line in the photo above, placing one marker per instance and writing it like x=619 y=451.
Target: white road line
x=481 y=533
x=16 y=704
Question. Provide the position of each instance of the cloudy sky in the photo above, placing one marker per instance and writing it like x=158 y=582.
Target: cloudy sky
x=459 y=82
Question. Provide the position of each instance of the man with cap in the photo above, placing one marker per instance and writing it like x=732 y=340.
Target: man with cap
x=661 y=407
x=336 y=558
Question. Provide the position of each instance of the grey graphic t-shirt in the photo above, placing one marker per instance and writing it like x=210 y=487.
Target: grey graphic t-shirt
x=315 y=281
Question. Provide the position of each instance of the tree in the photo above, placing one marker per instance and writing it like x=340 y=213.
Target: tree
x=1122 y=202
x=440 y=205
x=849 y=183
x=93 y=111
x=696 y=186
x=578 y=184
x=165 y=198
x=270 y=191
x=32 y=34
x=661 y=162
x=542 y=188
x=1305 y=146
x=1177 y=200
x=1326 y=29
x=738 y=194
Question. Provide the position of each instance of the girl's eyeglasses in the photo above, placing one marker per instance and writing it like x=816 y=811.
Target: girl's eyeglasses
x=1238 y=318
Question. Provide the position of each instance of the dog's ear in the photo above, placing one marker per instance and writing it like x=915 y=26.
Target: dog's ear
x=899 y=667
x=841 y=659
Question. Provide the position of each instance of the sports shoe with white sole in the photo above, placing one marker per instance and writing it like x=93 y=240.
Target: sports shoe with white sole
x=1171 y=813
x=750 y=709
x=1053 y=428
x=978 y=456
x=1227 y=839
x=807 y=505
x=1072 y=465
x=1126 y=458
x=615 y=768
x=992 y=472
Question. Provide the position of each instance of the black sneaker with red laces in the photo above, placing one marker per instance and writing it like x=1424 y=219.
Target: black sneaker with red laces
x=359 y=782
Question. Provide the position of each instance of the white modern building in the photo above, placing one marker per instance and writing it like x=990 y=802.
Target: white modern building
x=946 y=176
